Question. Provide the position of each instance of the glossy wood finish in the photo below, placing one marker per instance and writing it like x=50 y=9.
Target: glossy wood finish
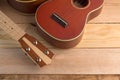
x=33 y=48
x=40 y=45
x=75 y=17
x=26 y=6
x=60 y=77
x=36 y=55
x=57 y=43
x=101 y=33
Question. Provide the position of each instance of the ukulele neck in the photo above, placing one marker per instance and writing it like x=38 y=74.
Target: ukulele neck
x=10 y=27
x=32 y=47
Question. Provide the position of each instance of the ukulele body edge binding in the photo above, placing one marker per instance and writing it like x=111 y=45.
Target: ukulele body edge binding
x=59 y=40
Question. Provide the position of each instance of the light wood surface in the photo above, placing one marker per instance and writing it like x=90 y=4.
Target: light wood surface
x=60 y=77
x=98 y=52
x=7 y=25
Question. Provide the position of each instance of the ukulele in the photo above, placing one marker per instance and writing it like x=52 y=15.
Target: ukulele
x=26 y=6
x=62 y=22
x=32 y=47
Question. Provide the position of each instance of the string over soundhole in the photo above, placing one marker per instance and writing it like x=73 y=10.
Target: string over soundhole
x=81 y=3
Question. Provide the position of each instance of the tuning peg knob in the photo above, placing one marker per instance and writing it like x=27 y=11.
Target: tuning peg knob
x=38 y=60
x=35 y=42
x=47 y=52
x=28 y=49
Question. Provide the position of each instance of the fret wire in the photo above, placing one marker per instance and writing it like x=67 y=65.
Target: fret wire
x=9 y=32
x=8 y=28
x=16 y=30
x=8 y=20
x=14 y=33
x=13 y=25
x=5 y=29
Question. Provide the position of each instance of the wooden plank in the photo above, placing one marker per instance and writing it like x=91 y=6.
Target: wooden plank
x=101 y=35
x=110 y=7
x=104 y=35
x=112 y=1
x=72 y=61
x=48 y=77
x=104 y=17
x=95 y=36
x=98 y=36
x=7 y=42
x=108 y=77
x=59 y=77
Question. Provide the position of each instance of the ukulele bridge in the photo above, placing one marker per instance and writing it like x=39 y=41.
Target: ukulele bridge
x=59 y=20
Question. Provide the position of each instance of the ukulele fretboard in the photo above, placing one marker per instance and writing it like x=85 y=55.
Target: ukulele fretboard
x=10 y=27
x=33 y=48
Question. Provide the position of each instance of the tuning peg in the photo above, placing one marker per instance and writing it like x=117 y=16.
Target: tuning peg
x=35 y=42
x=38 y=60
x=28 y=49
x=47 y=52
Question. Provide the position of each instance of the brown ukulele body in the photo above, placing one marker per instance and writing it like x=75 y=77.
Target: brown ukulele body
x=26 y=6
x=62 y=24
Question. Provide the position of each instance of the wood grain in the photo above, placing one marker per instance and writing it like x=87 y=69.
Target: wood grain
x=102 y=21
x=48 y=77
x=110 y=7
x=98 y=52
x=112 y=1
x=60 y=77
x=95 y=35
x=109 y=77
x=97 y=61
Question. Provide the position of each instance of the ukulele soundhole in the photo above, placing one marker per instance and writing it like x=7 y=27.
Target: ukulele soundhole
x=81 y=3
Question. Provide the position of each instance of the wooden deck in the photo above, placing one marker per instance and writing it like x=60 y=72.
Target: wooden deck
x=97 y=53
x=60 y=77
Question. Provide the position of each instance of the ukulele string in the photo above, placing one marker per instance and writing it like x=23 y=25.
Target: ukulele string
x=10 y=29
x=13 y=33
x=2 y=25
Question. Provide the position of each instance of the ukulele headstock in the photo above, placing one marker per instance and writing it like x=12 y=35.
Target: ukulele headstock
x=33 y=48
x=36 y=51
